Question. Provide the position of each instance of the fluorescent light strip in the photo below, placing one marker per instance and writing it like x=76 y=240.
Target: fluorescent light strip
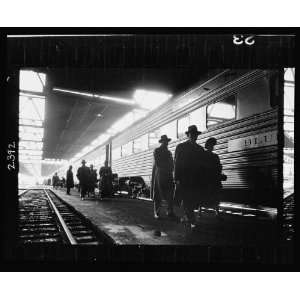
x=116 y=99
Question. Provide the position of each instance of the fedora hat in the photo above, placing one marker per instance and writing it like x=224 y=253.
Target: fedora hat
x=193 y=129
x=164 y=138
x=83 y=161
x=211 y=141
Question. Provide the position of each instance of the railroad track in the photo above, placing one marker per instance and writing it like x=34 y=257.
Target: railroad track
x=45 y=218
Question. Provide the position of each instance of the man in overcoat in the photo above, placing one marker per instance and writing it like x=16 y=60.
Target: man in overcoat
x=83 y=175
x=55 y=181
x=214 y=177
x=189 y=173
x=162 y=184
x=69 y=180
x=93 y=180
x=105 y=185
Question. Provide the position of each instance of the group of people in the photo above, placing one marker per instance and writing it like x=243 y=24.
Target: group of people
x=192 y=179
x=88 y=181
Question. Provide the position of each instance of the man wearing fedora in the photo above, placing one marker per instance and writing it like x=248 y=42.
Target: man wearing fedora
x=189 y=173
x=162 y=185
x=83 y=175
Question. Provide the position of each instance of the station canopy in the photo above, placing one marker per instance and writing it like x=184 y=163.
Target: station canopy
x=65 y=112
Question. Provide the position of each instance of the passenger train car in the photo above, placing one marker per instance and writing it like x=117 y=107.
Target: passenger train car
x=237 y=107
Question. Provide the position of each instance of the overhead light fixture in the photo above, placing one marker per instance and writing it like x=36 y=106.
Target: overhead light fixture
x=145 y=101
x=91 y=95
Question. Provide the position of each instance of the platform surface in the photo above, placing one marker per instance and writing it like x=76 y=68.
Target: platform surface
x=130 y=221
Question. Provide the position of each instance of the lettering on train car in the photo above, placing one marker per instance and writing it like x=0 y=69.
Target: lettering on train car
x=253 y=141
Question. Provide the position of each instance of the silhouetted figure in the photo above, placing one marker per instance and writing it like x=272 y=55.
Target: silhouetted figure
x=105 y=185
x=214 y=177
x=70 y=180
x=162 y=184
x=63 y=182
x=93 y=180
x=190 y=173
x=83 y=175
x=55 y=181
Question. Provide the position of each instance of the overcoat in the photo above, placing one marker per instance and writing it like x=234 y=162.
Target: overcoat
x=162 y=184
x=105 y=181
x=70 y=179
x=213 y=178
x=83 y=175
x=189 y=169
x=93 y=175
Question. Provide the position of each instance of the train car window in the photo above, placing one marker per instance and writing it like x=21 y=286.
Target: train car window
x=198 y=118
x=170 y=130
x=183 y=125
x=140 y=144
x=116 y=153
x=127 y=149
x=221 y=111
x=154 y=137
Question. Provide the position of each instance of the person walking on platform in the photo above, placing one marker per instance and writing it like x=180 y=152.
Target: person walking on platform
x=55 y=181
x=162 y=184
x=189 y=173
x=69 y=180
x=105 y=185
x=214 y=177
x=93 y=180
x=83 y=175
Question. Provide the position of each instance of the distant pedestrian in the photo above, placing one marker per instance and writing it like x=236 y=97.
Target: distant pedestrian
x=55 y=181
x=214 y=177
x=70 y=180
x=189 y=173
x=93 y=180
x=63 y=182
x=162 y=183
x=83 y=175
x=105 y=184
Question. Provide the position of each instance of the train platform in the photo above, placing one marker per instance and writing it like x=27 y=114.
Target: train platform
x=130 y=222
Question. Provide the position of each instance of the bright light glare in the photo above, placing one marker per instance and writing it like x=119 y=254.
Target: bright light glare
x=26 y=180
x=127 y=120
x=100 y=139
x=289 y=74
x=32 y=108
x=28 y=145
x=32 y=81
x=24 y=158
x=150 y=99
x=31 y=152
x=31 y=133
x=115 y=99
x=30 y=122
x=147 y=100
x=222 y=110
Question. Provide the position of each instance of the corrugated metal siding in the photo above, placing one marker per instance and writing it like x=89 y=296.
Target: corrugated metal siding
x=236 y=165
x=167 y=113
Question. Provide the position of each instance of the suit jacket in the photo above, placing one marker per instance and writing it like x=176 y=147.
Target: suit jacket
x=190 y=165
